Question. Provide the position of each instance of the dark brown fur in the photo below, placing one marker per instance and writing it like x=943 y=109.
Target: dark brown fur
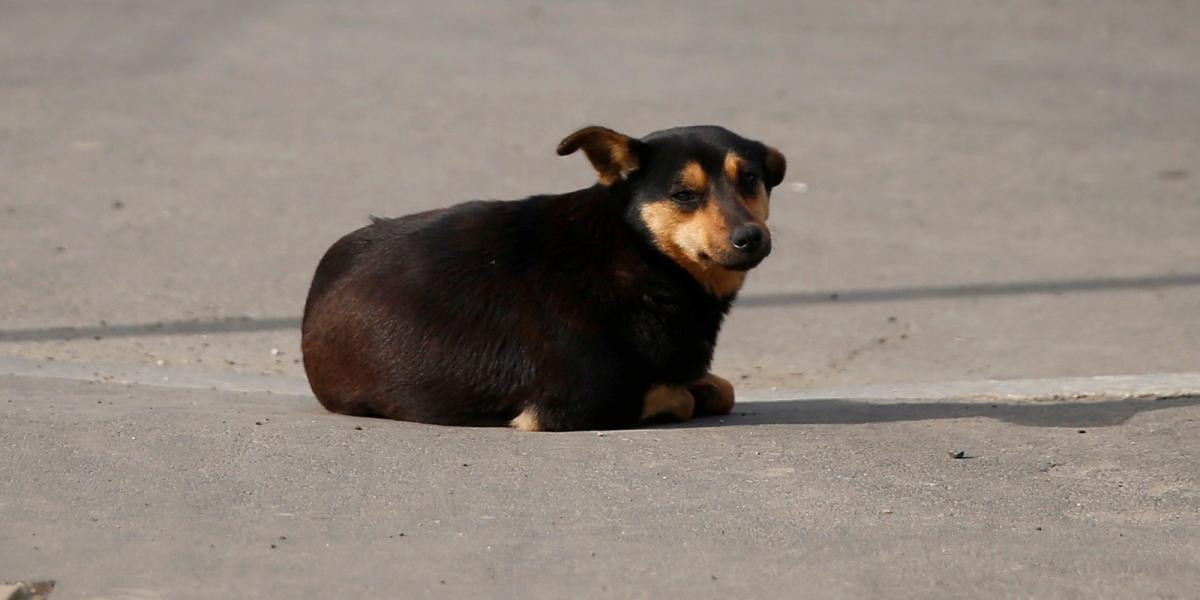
x=557 y=312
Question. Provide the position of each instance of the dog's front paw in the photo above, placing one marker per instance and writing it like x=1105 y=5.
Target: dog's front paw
x=667 y=404
x=714 y=395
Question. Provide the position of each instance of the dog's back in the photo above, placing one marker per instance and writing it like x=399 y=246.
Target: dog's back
x=465 y=315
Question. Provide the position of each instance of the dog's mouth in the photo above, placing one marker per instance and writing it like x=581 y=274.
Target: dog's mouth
x=736 y=263
x=744 y=264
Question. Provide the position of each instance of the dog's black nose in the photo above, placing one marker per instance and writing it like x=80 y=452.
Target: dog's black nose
x=747 y=238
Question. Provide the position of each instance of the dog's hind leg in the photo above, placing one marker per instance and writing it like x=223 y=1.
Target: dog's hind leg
x=527 y=421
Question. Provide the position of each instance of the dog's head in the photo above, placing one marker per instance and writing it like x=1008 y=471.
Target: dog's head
x=701 y=195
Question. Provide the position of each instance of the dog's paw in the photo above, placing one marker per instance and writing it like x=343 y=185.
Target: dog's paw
x=667 y=404
x=713 y=395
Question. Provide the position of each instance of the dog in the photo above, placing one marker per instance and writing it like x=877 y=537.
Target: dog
x=594 y=309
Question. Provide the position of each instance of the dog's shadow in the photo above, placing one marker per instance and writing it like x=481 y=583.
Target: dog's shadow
x=1058 y=413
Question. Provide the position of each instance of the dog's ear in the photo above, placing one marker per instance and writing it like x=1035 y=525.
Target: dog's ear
x=614 y=155
x=776 y=167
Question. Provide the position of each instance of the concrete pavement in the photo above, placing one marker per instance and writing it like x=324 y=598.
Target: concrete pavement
x=188 y=162
x=134 y=491
x=1000 y=195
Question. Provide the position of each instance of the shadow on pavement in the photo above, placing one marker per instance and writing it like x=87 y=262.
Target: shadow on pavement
x=1064 y=413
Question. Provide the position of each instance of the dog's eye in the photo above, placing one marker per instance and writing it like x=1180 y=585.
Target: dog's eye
x=685 y=197
x=749 y=178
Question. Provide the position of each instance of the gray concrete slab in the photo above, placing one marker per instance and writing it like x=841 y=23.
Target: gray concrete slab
x=1114 y=387
x=138 y=492
x=996 y=191
x=163 y=162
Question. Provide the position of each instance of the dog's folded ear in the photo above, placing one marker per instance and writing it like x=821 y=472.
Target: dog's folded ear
x=614 y=155
x=776 y=167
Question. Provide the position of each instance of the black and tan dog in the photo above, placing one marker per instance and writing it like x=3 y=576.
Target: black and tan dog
x=589 y=310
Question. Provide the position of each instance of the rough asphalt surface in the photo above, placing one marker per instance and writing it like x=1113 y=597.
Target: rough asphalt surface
x=141 y=492
x=995 y=191
x=1000 y=190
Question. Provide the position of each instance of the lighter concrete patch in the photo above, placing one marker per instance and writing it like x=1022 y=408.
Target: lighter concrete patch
x=987 y=390
x=163 y=376
x=1105 y=387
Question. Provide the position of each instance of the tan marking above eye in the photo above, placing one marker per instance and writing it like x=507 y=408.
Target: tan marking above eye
x=733 y=165
x=693 y=177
